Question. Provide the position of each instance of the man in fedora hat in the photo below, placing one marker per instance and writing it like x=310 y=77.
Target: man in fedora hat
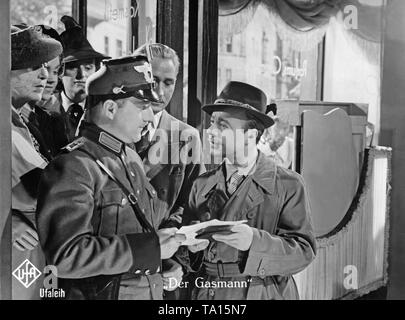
x=81 y=61
x=254 y=260
x=30 y=52
x=97 y=220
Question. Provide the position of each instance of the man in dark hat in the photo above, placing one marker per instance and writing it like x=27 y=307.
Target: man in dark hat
x=30 y=52
x=81 y=61
x=96 y=206
x=254 y=260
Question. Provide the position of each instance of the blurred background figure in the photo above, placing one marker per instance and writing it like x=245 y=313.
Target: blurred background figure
x=277 y=144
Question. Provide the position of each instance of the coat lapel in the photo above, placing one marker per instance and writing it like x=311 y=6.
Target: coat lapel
x=165 y=147
x=250 y=194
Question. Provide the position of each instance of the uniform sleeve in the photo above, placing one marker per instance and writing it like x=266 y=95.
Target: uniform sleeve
x=65 y=226
x=292 y=248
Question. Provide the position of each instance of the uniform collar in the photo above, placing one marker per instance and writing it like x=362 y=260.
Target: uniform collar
x=264 y=175
x=103 y=138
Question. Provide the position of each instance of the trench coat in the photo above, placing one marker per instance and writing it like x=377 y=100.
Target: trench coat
x=274 y=202
x=86 y=225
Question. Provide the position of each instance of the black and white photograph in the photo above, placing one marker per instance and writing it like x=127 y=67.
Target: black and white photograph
x=202 y=153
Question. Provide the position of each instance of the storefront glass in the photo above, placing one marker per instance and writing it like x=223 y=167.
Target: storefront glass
x=46 y=12
x=110 y=25
x=258 y=56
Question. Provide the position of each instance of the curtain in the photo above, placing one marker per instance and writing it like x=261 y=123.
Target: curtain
x=305 y=21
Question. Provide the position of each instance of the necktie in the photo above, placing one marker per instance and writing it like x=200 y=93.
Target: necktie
x=75 y=113
x=234 y=182
x=142 y=145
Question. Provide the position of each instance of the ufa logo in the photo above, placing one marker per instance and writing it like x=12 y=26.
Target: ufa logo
x=26 y=273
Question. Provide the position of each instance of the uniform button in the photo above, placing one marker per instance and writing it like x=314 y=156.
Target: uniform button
x=137 y=271
x=211 y=292
x=124 y=201
x=262 y=273
x=132 y=174
x=153 y=192
x=143 y=210
x=211 y=256
x=147 y=272
x=138 y=192
x=251 y=214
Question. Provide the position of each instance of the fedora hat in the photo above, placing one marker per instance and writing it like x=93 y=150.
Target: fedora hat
x=76 y=46
x=122 y=78
x=30 y=47
x=242 y=96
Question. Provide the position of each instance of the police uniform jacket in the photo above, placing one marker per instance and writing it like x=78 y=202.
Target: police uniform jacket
x=274 y=202
x=86 y=225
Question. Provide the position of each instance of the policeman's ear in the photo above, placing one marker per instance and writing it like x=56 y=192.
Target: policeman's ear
x=110 y=108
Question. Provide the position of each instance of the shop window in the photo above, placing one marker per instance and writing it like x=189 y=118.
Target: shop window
x=130 y=23
x=353 y=71
x=229 y=45
x=265 y=44
x=46 y=12
x=107 y=45
x=276 y=66
x=119 y=48
x=228 y=75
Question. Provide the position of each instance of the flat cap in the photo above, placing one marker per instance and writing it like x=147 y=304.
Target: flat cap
x=123 y=78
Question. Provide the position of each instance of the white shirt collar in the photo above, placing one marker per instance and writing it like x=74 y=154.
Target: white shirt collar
x=153 y=126
x=245 y=171
x=66 y=102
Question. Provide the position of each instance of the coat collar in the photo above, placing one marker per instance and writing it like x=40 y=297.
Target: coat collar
x=264 y=175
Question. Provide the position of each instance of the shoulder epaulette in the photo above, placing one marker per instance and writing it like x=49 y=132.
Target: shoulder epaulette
x=74 y=145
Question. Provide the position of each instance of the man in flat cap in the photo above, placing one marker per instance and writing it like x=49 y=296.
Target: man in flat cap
x=30 y=51
x=81 y=61
x=171 y=176
x=253 y=260
x=96 y=218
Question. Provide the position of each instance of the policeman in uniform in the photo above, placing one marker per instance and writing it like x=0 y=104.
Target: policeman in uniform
x=96 y=216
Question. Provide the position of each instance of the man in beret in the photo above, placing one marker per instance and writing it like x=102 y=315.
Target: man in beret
x=96 y=218
x=30 y=51
x=81 y=61
x=171 y=176
x=253 y=260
